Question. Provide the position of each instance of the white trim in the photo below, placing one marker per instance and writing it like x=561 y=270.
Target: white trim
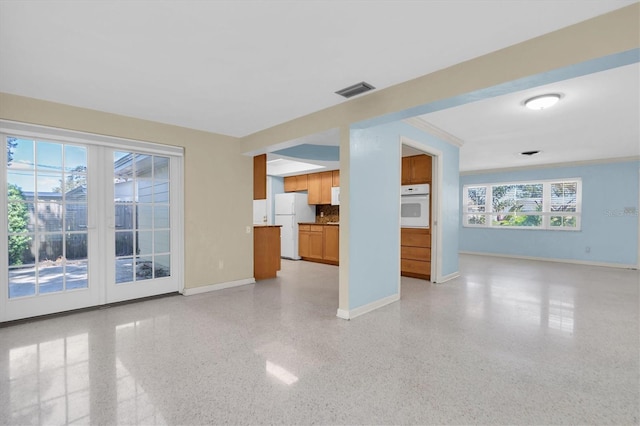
x=14 y=128
x=547 y=259
x=361 y=310
x=216 y=287
x=4 y=234
x=422 y=124
x=552 y=165
x=343 y=314
x=99 y=230
x=446 y=278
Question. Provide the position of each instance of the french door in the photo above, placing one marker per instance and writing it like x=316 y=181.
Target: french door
x=87 y=223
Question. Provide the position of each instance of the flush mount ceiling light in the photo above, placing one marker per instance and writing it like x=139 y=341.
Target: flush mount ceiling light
x=356 y=89
x=542 y=101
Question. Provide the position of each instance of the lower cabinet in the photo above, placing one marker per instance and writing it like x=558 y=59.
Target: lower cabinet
x=331 y=243
x=319 y=243
x=266 y=251
x=415 y=252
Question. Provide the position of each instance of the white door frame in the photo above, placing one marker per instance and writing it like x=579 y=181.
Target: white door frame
x=97 y=216
x=436 y=207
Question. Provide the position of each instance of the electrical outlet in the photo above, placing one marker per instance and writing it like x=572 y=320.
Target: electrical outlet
x=220 y=264
x=248 y=230
x=587 y=249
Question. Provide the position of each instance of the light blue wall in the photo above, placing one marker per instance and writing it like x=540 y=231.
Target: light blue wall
x=612 y=235
x=374 y=200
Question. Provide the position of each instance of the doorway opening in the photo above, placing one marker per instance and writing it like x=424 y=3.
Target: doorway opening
x=420 y=236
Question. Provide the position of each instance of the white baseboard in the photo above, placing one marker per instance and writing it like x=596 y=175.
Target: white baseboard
x=547 y=259
x=449 y=277
x=342 y=313
x=361 y=310
x=215 y=287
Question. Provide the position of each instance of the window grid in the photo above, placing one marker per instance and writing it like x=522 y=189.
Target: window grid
x=497 y=205
x=54 y=238
x=142 y=201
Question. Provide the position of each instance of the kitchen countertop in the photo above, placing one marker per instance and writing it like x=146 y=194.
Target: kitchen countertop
x=322 y=224
x=267 y=226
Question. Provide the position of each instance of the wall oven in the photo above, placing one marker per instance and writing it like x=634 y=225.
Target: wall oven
x=414 y=206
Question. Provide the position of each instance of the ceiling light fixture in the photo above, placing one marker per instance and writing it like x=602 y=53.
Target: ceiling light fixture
x=542 y=101
x=356 y=89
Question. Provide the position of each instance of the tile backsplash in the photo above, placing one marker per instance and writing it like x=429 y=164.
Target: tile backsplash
x=327 y=213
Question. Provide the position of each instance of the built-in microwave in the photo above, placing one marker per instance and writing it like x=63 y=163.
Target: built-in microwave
x=414 y=206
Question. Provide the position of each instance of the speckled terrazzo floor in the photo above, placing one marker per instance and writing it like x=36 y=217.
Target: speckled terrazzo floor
x=509 y=342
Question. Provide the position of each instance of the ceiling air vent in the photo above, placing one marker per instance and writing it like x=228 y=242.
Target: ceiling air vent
x=356 y=89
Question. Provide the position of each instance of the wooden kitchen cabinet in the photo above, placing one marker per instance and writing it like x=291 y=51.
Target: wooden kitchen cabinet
x=319 y=187
x=319 y=243
x=335 y=175
x=415 y=252
x=416 y=169
x=266 y=251
x=331 y=243
x=260 y=177
x=310 y=241
x=303 y=241
x=295 y=183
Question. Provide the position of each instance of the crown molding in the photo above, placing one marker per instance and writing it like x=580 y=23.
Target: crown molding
x=425 y=126
x=552 y=165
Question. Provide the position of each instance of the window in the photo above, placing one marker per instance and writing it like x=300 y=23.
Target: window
x=548 y=204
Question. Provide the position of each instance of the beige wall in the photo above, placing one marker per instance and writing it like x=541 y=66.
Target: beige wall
x=217 y=180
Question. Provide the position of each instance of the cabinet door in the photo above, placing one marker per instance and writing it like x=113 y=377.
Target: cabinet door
x=290 y=184
x=260 y=177
x=314 y=188
x=406 y=170
x=326 y=181
x=420 y=169
x=303 y=243
x=315 y=245
x=335 y=175
x=332 y=243
x=301 y=182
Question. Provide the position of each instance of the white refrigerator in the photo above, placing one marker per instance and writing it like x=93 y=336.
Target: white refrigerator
x=290 y=209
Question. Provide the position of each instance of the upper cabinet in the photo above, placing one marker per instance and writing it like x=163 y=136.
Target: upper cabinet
x=416 y=169
x=319 y=187
x=260 y=177
x=295 y=183
x=336 y=178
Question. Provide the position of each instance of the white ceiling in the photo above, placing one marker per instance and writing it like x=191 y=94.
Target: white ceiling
x=596 y=118
x=237 y=67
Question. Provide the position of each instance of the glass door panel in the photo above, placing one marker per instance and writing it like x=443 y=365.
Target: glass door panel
x=47 y=215
x=142 y=226
x=68 y=204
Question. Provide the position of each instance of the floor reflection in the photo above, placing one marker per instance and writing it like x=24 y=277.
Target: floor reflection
x=78 y=379
x=49 y=382
x=513 y=303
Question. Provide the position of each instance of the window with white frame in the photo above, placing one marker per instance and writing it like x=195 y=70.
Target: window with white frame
x=547 y=204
